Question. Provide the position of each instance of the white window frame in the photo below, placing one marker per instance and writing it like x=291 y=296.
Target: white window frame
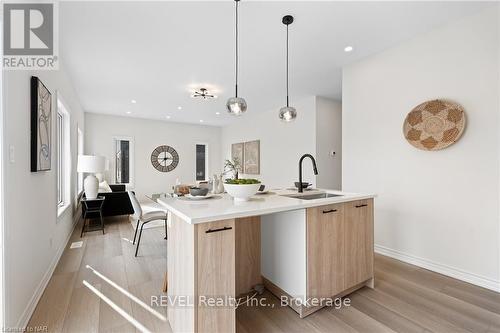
x=207 y=161
x=63 y=155
x=130 y=184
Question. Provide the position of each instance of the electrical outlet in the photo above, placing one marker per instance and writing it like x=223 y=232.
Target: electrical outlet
x=12 y=157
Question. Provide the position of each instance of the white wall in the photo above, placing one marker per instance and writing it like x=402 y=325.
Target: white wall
x=34 y=236
x=328 y=139
x=149 y=134
x=281 y=144
x=437 y=209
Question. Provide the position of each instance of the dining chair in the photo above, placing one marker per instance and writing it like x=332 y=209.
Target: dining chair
x=143 y=218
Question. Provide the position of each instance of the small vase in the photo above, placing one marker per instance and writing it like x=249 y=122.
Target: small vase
x=221 y=185
x=215 y=185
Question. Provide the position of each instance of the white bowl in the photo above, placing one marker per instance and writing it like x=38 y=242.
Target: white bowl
x=241 y=192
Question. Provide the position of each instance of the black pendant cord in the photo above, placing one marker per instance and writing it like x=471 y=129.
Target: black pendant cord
x=236 y=62
x=287 y=66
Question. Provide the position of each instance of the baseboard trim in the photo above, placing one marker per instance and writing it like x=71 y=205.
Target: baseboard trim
x=30 y=308
x=456 y=273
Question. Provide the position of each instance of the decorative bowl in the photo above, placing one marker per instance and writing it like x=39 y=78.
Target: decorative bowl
x=241 y=192
x=198 y=192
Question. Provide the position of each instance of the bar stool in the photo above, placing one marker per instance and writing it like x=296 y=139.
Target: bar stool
x=143 y=218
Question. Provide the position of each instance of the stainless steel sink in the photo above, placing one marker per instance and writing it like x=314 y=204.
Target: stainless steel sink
x=313 y=196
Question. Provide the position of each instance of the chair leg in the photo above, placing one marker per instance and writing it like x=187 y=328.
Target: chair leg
x=139 y=240
x=166 y=229
x=136 y=228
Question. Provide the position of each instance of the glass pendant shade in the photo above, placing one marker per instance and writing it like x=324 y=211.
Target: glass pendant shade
x=288 y=113
x=236 y=105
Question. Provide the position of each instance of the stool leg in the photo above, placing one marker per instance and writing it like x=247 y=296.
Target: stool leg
x=165 y=229
x=165 y=283
x=136 y=228
x=139 y=240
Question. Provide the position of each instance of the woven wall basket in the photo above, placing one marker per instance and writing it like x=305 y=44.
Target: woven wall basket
x=434 y=125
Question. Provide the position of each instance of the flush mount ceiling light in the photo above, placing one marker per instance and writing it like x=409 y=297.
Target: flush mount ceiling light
x=348 y=49
x=179 y=108
x=133 y=101
x=287 y=113
x=203 y=93
x=236 y=105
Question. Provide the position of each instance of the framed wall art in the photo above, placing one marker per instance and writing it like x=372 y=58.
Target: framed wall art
x=237 y=153
x=251 y=158
x=41 y=126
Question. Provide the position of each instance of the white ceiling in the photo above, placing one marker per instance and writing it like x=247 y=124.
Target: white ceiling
x=157 y=52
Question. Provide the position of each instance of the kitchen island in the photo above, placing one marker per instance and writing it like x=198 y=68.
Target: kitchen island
x=305 y=247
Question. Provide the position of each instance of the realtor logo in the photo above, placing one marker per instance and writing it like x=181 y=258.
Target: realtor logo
x=29 y=40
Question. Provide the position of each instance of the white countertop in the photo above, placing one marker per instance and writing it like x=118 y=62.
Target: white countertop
x=224 y=207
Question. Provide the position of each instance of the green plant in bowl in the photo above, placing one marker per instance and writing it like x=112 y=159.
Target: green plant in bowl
x=242 y=181
x=242 y=189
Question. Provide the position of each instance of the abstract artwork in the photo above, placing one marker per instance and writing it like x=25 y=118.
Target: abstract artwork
x=237 y=153
x=251 y=158
x=41 y=126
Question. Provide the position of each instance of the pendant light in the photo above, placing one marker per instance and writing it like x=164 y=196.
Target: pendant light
x=287 y=113
x=236 y=105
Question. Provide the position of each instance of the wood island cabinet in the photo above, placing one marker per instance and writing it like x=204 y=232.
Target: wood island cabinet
x=339 y=248
x=321 y=252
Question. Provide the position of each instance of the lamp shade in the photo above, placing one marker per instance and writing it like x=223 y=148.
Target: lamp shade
x=90 y=164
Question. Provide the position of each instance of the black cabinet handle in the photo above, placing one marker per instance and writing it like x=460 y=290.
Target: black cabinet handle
x=217 y=230
x=329 y=211
x=359 y=206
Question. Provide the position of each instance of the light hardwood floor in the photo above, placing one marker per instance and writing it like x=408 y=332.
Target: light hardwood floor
x=406 y=298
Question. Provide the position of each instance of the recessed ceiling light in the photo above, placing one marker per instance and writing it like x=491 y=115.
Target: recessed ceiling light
x=179 y=108
x=168 y=117
x=128 y=112
x=201 y=120
x=348 y=49
x=133 y=101
x=217 y=113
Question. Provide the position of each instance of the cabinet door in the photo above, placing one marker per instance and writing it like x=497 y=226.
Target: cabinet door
x=358 y=242
x=325 y=250
x=216 y=275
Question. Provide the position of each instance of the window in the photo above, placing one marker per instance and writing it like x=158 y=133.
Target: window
x=63 y=156
x=201 y=161
x=124 y=157
x=79 y=148
x=60 y=158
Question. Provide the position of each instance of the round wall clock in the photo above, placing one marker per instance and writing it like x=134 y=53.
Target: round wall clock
x=164 y=158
